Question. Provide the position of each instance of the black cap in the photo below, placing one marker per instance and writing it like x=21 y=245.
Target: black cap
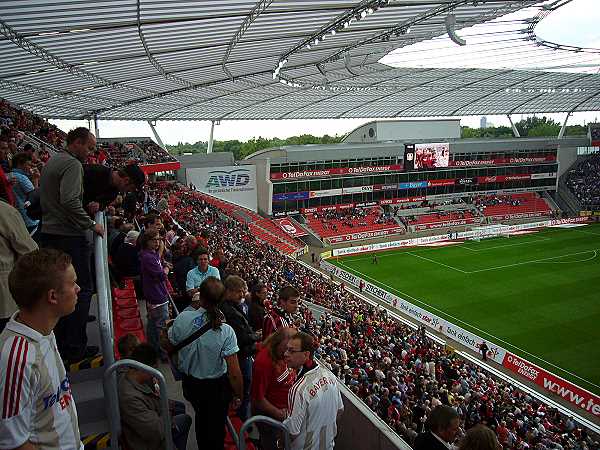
x=135 y=174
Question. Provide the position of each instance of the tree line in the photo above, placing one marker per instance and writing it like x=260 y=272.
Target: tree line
x=529 y=127
x=242 y=149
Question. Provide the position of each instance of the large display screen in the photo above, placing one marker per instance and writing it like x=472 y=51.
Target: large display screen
x=431 y=156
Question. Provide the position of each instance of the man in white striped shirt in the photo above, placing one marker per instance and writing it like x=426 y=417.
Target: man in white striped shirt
x=314 y=401
x=38 y=411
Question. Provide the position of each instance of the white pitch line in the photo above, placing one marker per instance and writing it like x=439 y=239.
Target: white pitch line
x=508 y=245
x=583 y=231
x=456 y=319
x=436 y=262
x=570 y=262
x=533 y=261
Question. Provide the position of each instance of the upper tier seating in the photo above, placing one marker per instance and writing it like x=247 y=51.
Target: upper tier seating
x=528 y=203
x=141 y=152
x=584 y=181
x=353 y=220
x=263 y=229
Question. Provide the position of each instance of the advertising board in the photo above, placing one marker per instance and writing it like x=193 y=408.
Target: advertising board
x=235 y=184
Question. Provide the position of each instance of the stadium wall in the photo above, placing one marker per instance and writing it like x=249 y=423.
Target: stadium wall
x=394 y=130
x=444 y=237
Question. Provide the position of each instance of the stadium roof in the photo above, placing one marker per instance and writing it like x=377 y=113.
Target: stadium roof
x=237 y=59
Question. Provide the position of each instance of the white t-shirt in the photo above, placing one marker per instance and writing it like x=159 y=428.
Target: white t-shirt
x=313 y=403
x=35 y=392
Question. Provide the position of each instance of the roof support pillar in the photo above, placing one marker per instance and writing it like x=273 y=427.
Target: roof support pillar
x=210 y=137
x=561 y=133
x=159 y=141
x=514 y=128
x=96 y=129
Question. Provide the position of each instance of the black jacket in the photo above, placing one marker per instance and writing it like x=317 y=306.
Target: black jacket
x=427 y=441
x=246 y=338
x=97 y=185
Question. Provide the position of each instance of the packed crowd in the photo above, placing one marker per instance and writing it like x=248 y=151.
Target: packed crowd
x=399 y=373
x=249 y=354
x=584 y=181
x=21 y=121
x=119 y=154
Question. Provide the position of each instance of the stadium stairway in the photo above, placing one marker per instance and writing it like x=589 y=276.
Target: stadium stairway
x=86 y=386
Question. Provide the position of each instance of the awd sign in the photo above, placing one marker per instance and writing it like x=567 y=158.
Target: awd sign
x=228 y=179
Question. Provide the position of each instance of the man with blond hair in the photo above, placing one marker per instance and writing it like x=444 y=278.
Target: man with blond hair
x=38 y=410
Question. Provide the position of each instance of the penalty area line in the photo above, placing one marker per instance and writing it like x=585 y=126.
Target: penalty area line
x=534 y=261
x=456 y=319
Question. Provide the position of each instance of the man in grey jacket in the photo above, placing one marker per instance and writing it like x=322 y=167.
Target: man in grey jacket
x=142 y=420
x=66 y=226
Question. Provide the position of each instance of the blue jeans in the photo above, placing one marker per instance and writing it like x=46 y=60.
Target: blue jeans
x=246 y=363
x=71 y=330
x=157 y=318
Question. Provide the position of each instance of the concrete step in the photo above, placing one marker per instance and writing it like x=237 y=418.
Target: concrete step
x=95 y=435
x=89 y=399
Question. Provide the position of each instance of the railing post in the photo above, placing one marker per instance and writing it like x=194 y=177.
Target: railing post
x=164 y=400
x=105 y=324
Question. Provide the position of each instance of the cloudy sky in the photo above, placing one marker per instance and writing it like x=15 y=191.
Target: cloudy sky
x=574 y=24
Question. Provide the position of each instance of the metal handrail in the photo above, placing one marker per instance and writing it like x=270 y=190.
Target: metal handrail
x=164 y=400
x=268 y=421
x=233 y=433
x=105 y=324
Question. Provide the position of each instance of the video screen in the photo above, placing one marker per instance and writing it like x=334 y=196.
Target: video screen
x=431 y=156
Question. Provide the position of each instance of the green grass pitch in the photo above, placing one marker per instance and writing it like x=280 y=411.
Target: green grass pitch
x=537 y=295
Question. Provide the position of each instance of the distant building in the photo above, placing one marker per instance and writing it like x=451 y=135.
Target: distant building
x=483 y=122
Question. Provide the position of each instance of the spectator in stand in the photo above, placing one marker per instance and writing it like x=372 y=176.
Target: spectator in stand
x=209 y=364
x=314 y=401
x=4 y=156
x=15 y=241
x=198 y=274
x=480 y=437
x=6 y=191
x=443 y=424
x=65 y=226
x=122 y=230
x=220 y=262
x=39 y=411
x=154 y=276
x=102 y=185
x=127 y=259
x=483 y=349
x=235 y=292
x=141 y=416
x=282 y=314
x=256 y=309
x=398 y=372
x=25 y=179
x=183 y=262
x=126 y=344
x=272 y=380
